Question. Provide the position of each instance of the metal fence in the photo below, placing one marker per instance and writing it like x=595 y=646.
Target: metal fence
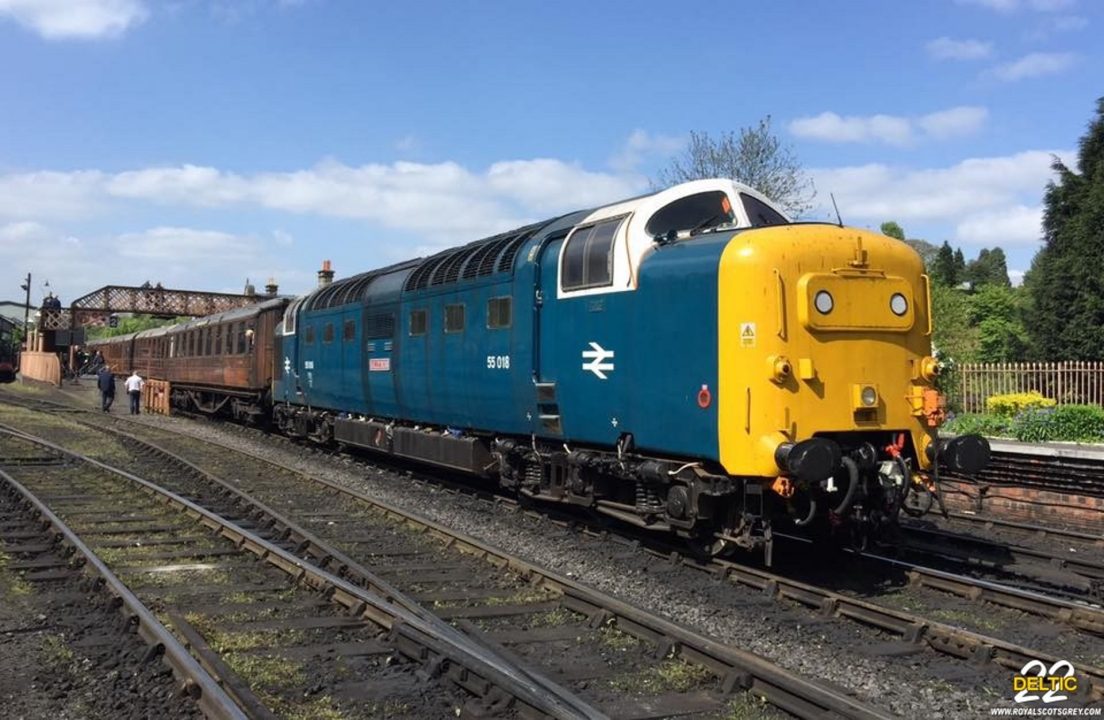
x=1069 y=383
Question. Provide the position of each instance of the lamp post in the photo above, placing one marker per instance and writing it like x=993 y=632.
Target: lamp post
x=26 y=307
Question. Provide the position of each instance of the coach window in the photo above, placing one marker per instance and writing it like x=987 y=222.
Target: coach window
x=209 y=341
x=348 y=331
x=498 y=313
x=218 y=339
x=694 y=212
x=588 y=257
x=761 y=214
x=308 y=335
x=454 y=318
x=241 y=339
x=419 y=319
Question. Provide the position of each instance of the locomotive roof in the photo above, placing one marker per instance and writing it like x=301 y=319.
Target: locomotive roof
x=494 y=255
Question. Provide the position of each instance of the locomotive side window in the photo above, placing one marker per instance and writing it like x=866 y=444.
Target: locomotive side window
x=588 y=257
x=454 y=318
x=328 y=333
x=348 y=330
x=761 y=214
x=308 y=334
x=419 y=320
x=693 y=212
x=499 y=312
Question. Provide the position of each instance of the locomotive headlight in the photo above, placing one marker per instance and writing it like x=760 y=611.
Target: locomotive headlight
x=898 y=304
x=864 y=396
x=823 y=302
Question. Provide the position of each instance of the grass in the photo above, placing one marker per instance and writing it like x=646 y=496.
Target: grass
x=13 y=584
x=56 y=650
x=555 y=618
x=264 y=671
x=615 y=639
x=672 y=675
x=967 y=618
x=750 y=707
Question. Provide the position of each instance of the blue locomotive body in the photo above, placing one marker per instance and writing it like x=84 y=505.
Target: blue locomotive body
x=471 y=341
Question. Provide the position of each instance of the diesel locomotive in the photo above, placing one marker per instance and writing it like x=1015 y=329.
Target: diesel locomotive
x=690 y=361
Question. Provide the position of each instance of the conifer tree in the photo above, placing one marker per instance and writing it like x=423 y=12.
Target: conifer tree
x=1066 y=280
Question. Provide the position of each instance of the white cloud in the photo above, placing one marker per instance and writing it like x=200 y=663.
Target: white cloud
x=186 y=246
x=1018 y=225
x=86 y=19
x=945 y=48
x=1016 y=277
x=891 y=129
x=955 y=122
x=640 y=145
x=1013 y=5
x=1034 y=64
x=831 y=127
x=403 y=195
x=971 y=195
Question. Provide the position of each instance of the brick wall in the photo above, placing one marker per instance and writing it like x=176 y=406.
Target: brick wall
x=1040 y=507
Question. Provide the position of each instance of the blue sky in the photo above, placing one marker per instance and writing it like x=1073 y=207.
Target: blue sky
x=202 y=142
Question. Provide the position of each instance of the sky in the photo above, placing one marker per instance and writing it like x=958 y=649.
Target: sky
x=201 y=143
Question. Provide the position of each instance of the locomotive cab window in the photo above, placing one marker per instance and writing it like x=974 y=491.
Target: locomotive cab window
x=761 y=214
x=588 y=257
x=454 y=318
x=499 y=312
x=419 y=319
x=693 y=212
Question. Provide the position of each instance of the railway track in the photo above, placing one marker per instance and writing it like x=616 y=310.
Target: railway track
x=914 y=632
x=507 y=605
x=1076 y=572
x=243 y=604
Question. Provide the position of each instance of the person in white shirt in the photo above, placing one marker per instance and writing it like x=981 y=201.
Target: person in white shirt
x=134 y=385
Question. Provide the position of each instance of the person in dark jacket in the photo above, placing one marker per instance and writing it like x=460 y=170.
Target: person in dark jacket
x=105 y=381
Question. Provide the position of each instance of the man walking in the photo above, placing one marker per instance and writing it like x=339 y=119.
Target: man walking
x=134 y=385
x=105 y=381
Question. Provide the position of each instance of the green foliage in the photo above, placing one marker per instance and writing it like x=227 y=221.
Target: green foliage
x=1066 y=280
x=927 y=251
x=1065 y=423
x=135 y=323
x=893 y=230
x=990 y=268
x=1083 y=423
x=987 y=425
x=953 y=335
x=945 y=271
x=1012 y=404
x=754 y=156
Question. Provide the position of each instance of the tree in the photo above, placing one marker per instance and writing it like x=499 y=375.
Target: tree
x=960 y=266
x=996 y=311
x=945 y=268
x=893 y=230
x=990 y=268
x=1066 y=280
x=754 y=156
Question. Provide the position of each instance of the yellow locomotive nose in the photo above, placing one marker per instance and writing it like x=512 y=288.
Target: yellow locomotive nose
x=844 y=340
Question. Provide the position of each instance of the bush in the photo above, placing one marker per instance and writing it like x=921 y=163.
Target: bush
x=1014 y=404
x=987 y=425
x=1034 y=426
x=1083 y=423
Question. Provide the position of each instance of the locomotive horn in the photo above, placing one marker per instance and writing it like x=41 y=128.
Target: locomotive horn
x=810 y=460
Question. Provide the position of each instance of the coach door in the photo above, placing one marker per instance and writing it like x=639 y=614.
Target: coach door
x=380 y=352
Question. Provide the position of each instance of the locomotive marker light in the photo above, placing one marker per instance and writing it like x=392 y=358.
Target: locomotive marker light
x=898 y=304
